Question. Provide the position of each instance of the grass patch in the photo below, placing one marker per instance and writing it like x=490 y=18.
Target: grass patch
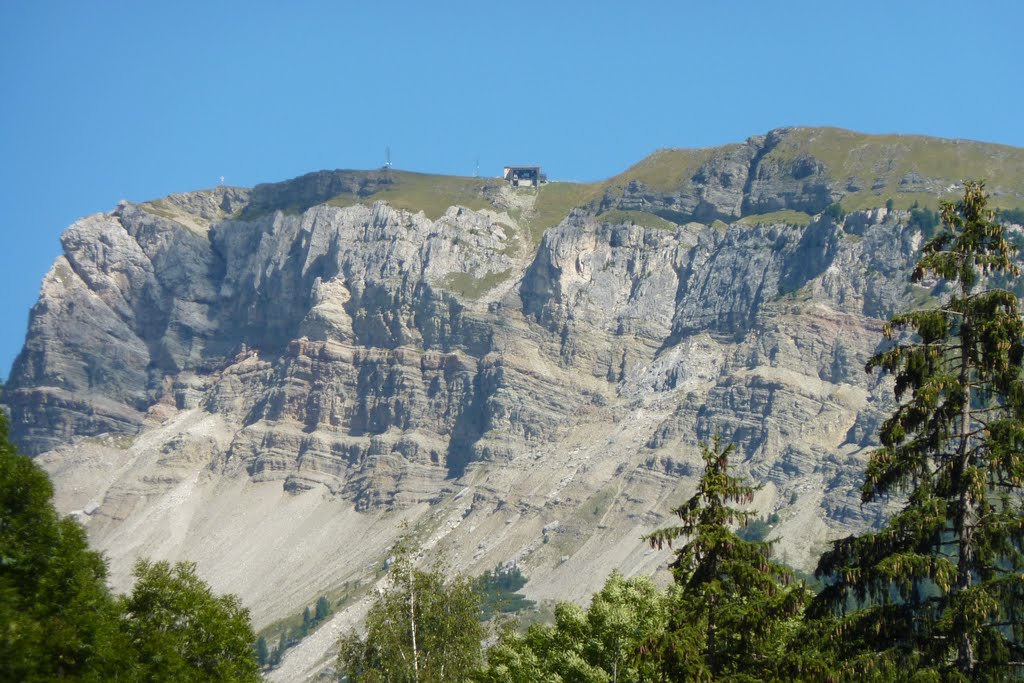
x=596 y=505
x=641 y=218
x=921 y=297
x=469 y=287
x=788 y=217
x=883 y=160
x=159 y=207
x=431 y=194
x=669 y=169
x=291 y=626
x=554 y=202
x=862 y=201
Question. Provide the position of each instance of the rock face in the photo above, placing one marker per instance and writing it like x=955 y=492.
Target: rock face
x=257 y=379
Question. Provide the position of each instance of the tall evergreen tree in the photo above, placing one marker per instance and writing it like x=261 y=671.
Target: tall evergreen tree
x=734 y=604
x=323 y=609
x=938 y=590
x=262 y=652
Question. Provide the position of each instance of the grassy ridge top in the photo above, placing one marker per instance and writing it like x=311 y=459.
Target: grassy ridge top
x=860 y=170
x=668 y=169
x=432 y=194
x=880 y=163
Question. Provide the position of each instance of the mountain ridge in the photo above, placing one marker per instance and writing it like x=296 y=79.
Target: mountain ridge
x=910 y=168
x=273 y=389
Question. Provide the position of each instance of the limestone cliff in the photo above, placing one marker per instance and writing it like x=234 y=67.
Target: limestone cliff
x=272 y=381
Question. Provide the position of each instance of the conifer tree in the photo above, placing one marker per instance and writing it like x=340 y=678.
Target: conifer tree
x=734 y=605
x=937 y=591
x=262 y=651
x=323 y=609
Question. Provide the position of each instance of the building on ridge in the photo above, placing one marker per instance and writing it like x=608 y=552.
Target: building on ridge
x=530 y=176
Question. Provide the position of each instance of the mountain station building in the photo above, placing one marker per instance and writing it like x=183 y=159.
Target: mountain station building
x=530 y=176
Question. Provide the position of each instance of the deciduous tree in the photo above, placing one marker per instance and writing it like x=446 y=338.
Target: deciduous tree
x=421 y=630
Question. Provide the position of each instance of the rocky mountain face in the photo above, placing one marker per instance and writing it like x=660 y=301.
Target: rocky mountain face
x=279 y=382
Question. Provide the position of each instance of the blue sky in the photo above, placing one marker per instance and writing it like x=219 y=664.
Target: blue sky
x=104 y=100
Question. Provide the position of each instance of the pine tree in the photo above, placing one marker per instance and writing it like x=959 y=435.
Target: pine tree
x=734 y=605
x=307 y=622
x=938 y=590
x=323 y=609
x=262 y=652
x=278 y=653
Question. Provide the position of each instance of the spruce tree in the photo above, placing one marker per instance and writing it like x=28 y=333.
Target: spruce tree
x=262 y=652
x=937 y=591
x=307 y=622
x=323 y=609
x=734 y=605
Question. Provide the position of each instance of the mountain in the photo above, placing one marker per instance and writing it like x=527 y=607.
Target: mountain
x=279 y=382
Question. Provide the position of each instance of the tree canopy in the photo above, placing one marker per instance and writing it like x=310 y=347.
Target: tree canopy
x=734 y=605
x=422 y=629
x=937 y=590
x=59 y=620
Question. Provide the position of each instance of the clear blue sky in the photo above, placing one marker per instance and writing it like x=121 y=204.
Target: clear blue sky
x=107 y=100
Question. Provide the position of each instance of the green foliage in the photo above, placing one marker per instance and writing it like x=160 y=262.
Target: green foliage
x=735 y=607
x=759 y=528
x=601 y=644
x=880 y=162
x=291 y=630
x=432 y=194
x=554 y=202
x=323 y=609
x=420 y=630
x=58 y=619
x=666 y=170
x=468 y=286
x=641 y=218
x=307 y=621
x=784 y=217
x=278 y=653
x=924 y=220
x=498 y=592
x=937 y=591
x=835 y=212
x=181 y=631
x=262 y=652
x=1015 y=216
